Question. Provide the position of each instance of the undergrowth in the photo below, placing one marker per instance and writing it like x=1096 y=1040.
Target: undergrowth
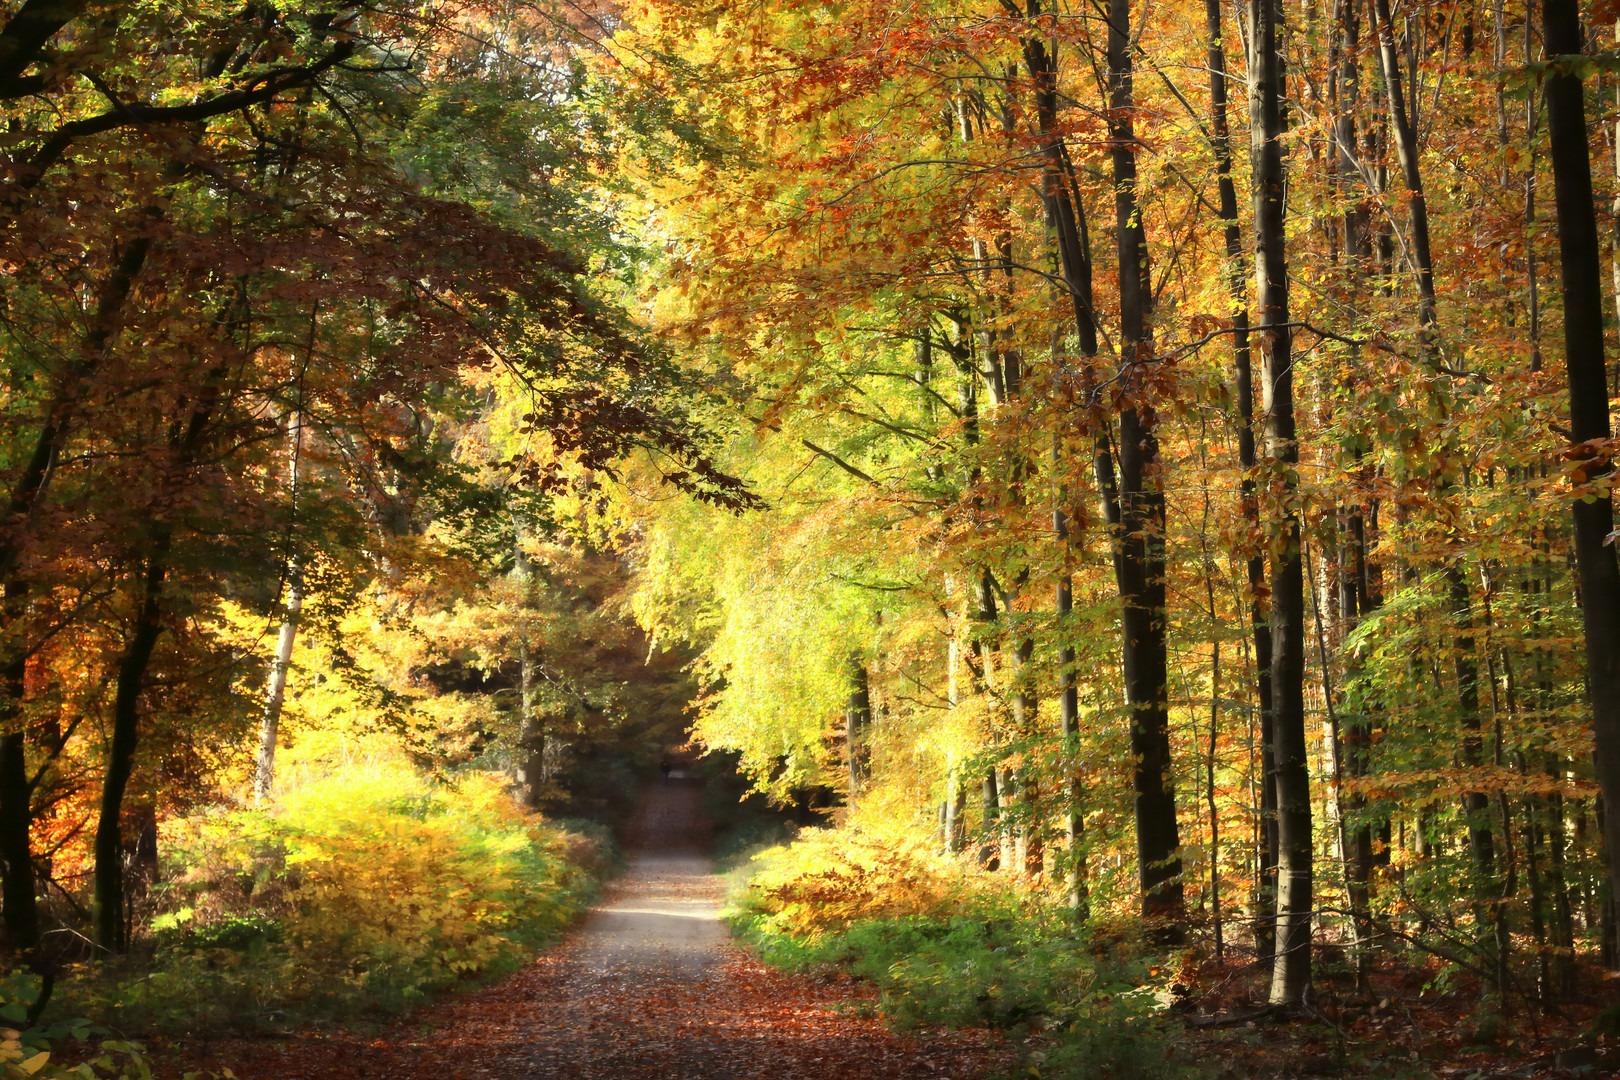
x=943 y=951
x=358 y=895
x=36 y=1052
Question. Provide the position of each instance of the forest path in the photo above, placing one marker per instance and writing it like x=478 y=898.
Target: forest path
x=646 y=987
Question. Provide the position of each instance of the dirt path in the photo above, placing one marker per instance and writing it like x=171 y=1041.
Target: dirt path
x=648 y=986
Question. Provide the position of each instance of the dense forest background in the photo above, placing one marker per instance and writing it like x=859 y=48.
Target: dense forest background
x=1156 y=456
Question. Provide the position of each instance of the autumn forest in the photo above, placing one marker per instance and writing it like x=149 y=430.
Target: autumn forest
x=1102 y=512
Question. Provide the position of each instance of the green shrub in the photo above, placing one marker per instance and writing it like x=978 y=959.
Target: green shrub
x=975 y=960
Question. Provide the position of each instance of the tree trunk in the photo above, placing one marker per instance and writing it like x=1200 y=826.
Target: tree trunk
x=531 y=742
x=108 y=904
x=1142 y=535
x=1209 y=787
x=1265 y=901
x=990 y=827
x=1355 y=598
x=1581 y=266
x=1563 y=917
x=1406 y=147
x=20 y=907
x=107 y=910
x=955 y=827
x=1476 y=804
x=264 y=779
x=1066 y=214
x=1069 y=717
x=857 y=722
x=1354 y=603
x=1291 y=972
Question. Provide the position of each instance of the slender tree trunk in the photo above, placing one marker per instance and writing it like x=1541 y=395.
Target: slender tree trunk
x=531 y=726
x=998 y=786
x=1141 y=499
x=1209 y=787
x=1532 y=143
x=955 y=788
x=264 y=780
x=1534 y=809
x=1581 y=266
x=1614 y=207
x=1563 y=917
x=1291 y=975
x=107 y=910
x=1259 y=616
x=1074 y=822
x=1066 y=214
x=990 y=827
x=1406 y=147
x=1355 y=599
x=109 y=914
x=857 y=722
x=1476 y=804
x=20 y=906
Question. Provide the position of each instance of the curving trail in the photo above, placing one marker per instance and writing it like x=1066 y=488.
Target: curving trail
x=647 y=986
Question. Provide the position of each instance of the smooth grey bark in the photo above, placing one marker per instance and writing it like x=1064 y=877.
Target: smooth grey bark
x=1074 y=821
x=1133 y=505
x=1355 y=598
x=264 y=776
x=531 y=730
x=1291 y=970
x=1265 y=900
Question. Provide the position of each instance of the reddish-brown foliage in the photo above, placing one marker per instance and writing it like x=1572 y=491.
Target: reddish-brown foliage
x=556 y=1018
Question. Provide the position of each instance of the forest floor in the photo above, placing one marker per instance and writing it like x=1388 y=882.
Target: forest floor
x=650 y=986
x=647 y=986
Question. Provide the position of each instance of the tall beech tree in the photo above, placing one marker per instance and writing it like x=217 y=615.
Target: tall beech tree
x=1141 y=564
x=1295 y=849
x=1581 y=274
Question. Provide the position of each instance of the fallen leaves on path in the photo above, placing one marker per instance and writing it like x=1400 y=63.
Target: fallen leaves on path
x=647 y=987
x=557 y=1019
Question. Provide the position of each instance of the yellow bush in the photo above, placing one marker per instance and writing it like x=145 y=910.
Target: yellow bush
x=375 y=879
x=829 y=878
